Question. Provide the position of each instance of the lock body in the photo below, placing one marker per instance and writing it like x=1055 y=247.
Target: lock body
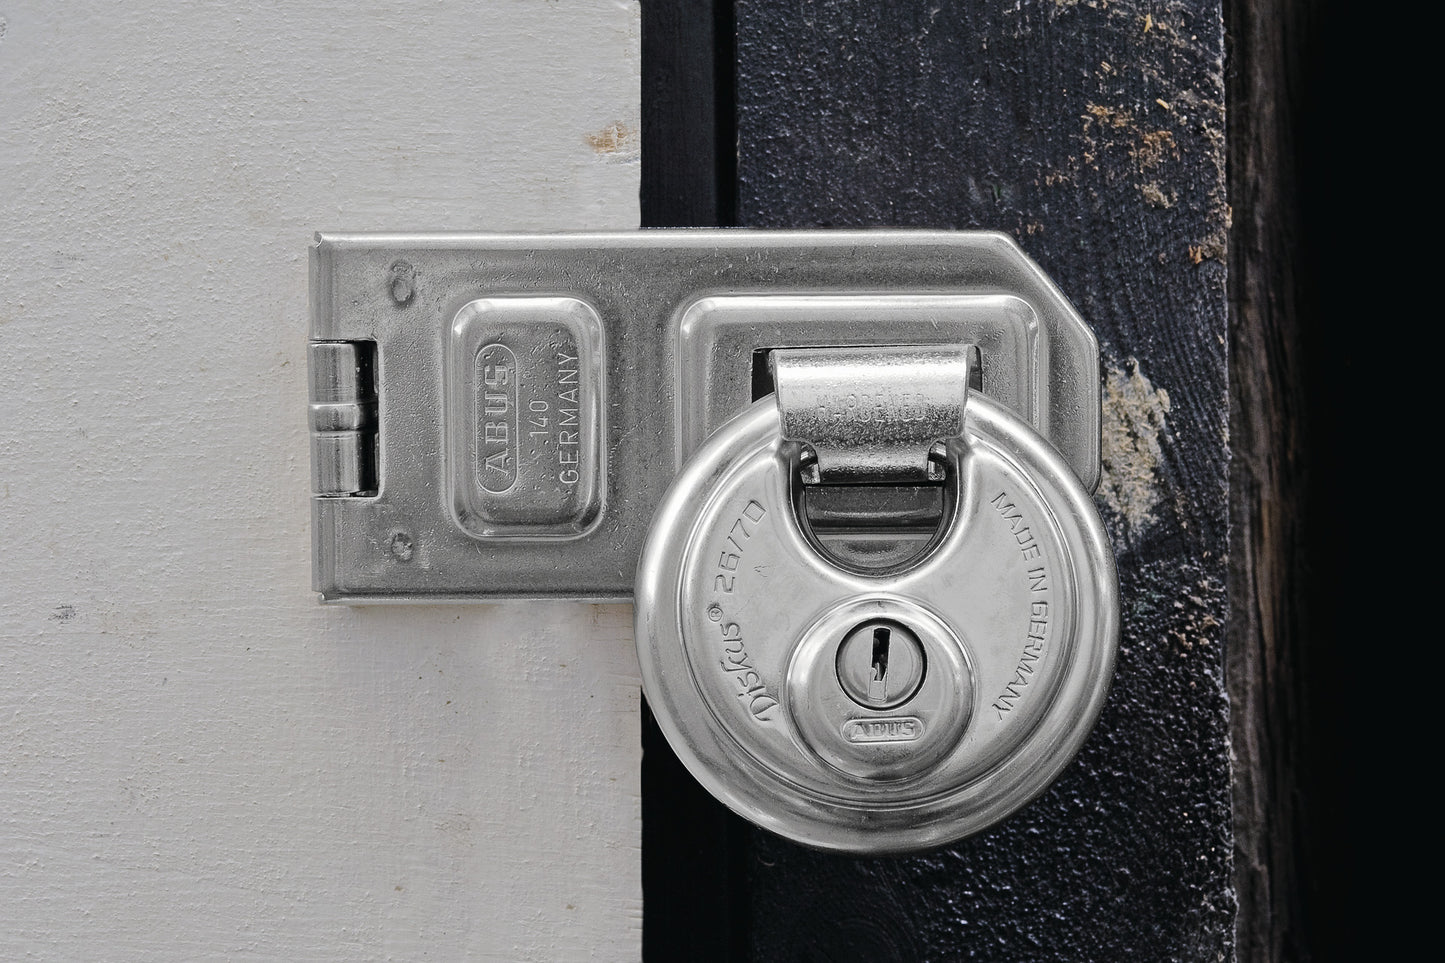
x=874 y=614
x=766 y=660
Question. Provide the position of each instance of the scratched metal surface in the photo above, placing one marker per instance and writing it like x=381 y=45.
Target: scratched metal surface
x=1094 y=132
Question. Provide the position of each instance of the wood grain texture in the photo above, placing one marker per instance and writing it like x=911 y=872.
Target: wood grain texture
x=1268 y=431
x=1095 y=133
x=1309 y=582
x=198 y=761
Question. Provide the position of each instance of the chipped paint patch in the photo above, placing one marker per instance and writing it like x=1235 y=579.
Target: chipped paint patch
x=1134 y=420
x=1111 y=129
x=1197 y=615
x=616 y=141
x=1153 y=147
x=1155 y=195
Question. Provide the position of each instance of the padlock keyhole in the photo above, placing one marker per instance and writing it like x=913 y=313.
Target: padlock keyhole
x=880 y=652
x=881 y=664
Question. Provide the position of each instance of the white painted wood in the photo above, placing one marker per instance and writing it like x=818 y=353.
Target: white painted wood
x=198 y=761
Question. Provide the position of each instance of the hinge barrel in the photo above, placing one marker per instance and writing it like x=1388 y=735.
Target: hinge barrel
x=343 y=418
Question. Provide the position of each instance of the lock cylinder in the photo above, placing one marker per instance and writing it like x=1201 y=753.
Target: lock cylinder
x=885 y=699
x=886 y=708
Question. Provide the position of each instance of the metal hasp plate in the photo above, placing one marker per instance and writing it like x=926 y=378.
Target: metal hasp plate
x=497 y=416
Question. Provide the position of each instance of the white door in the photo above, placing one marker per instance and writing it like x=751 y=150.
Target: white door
x=197 y=760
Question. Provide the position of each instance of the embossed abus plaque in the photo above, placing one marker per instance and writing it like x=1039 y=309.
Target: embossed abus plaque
x=523 y=416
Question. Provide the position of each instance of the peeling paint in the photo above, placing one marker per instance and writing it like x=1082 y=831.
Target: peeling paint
x=1155 y=195
x=1134 y=420
x=1153 y=147
x=1109 y=129
x=617 y=141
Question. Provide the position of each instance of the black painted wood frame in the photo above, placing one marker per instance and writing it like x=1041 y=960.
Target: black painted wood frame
x=1097 y=134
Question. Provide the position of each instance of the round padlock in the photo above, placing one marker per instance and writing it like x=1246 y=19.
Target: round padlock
x=865 y=712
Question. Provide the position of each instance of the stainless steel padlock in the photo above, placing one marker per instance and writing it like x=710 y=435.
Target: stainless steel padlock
x=845 y=682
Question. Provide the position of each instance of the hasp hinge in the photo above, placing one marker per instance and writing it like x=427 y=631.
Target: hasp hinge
x=343 y=418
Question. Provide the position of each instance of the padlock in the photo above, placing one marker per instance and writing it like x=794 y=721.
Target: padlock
x=837 y=674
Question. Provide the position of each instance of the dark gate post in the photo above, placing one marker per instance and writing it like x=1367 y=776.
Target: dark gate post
x=1094 y=132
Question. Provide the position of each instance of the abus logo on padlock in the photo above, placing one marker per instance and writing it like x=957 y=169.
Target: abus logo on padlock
x=877 y=611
